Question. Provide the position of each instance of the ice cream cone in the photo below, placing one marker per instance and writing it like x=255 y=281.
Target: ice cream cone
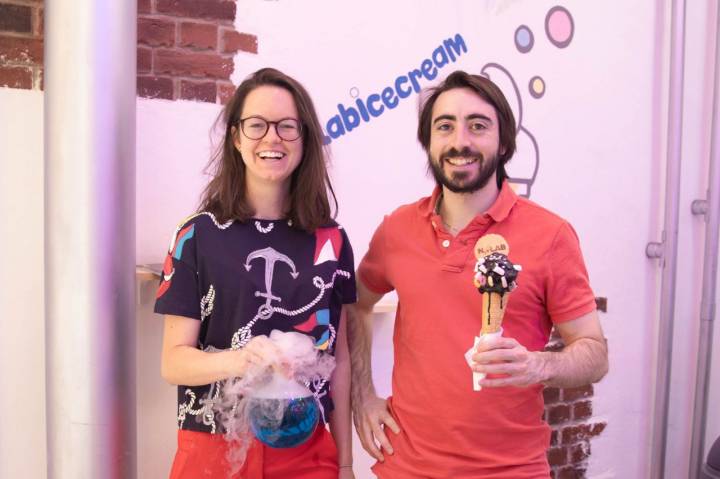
x=494 y=277
x=494 y=305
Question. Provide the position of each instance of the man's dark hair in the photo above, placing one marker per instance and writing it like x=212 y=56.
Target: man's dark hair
x=489 y=92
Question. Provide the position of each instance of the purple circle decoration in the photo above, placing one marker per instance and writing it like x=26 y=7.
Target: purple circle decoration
x=524 y=39
x=559 y=26
x=536 y=87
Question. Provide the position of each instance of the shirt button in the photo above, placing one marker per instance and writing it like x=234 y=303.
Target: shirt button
x=446 y=243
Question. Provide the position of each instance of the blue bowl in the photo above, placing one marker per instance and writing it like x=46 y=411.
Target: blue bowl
x=295 y=426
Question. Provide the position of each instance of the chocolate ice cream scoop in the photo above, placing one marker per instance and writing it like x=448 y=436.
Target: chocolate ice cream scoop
x=495 y=273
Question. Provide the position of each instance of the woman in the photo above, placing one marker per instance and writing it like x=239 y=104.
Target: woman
x=262 y=253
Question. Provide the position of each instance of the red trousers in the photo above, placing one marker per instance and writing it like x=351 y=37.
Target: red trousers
x=203 y=455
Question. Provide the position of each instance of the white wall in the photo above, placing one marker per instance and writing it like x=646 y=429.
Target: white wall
x=22 y=342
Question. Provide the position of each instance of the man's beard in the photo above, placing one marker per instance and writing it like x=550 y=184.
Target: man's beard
x=460 y=181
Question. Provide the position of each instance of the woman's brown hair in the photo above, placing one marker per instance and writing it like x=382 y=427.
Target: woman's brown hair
x=225 y=195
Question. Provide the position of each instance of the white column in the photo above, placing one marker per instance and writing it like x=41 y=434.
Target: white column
x=90 y=70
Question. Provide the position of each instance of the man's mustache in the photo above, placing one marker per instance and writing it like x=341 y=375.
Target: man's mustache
x=466 y=152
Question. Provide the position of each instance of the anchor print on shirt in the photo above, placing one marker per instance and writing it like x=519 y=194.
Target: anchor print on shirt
x=327 y=249
x=271 y=257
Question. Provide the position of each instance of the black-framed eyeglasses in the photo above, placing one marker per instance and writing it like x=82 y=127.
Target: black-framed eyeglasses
x=256 y=127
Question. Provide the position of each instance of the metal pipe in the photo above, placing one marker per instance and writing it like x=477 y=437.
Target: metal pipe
x=710 y=266
x=670 y=241
x=89 y=121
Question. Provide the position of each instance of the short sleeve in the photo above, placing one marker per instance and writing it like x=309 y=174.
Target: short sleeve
x=373 y=271
x=346 y=262
x=568 y=292
x=178 y=291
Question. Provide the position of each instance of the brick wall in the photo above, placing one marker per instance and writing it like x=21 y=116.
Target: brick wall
x=186 y=48
x=21 y=44
x=569 y=413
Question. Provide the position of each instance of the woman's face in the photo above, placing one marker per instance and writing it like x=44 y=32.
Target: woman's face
x=269 y=159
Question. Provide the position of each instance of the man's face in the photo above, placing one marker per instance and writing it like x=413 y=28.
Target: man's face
x=464 y=141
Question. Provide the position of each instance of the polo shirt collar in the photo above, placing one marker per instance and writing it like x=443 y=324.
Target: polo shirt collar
x=499 y=210
x=503 y=204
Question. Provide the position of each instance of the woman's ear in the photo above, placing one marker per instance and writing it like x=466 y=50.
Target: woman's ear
x=235 y=137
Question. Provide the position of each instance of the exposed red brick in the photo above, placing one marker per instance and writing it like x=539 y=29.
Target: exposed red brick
x=202 y=91
x=571 y=473
x=573 y=434
x=579 y=452
x=551 y=395
x=21 y=50
x=234 y=41
x=601 y=304
x=597 y=428
x=558 y=414
x=144 y=60
x=155 y=87
x=39 y=22
x=207 y=9
x=554 y=437
x=557 y=456
x=225 y=92
x=15 y=18
x=16 y=77
x=582 y=410
x=156 y=32
x=571 y=394
x=198 y=35
x=144 y=6
x=192 y=64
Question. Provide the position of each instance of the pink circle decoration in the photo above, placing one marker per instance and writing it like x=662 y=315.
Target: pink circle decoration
x=559 y=26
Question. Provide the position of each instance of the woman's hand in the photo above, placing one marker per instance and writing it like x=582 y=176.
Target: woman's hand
x=255 y=357
x=346 y=473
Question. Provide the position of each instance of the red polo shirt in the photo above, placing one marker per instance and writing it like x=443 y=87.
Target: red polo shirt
x=448 y=430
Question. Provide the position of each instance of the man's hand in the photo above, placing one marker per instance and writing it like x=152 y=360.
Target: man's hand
x=371 y=417
x=583 y=360
x=508 y=357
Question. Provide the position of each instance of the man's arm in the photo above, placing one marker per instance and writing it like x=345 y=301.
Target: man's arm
x=583 y=360
x=370 y=413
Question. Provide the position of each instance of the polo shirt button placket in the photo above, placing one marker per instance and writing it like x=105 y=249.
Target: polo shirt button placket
x=446 y=243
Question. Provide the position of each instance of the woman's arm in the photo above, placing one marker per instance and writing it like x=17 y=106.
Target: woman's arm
x=340 y=420
x=183 y=363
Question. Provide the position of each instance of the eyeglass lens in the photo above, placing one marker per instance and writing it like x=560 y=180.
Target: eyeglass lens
x=256 y=128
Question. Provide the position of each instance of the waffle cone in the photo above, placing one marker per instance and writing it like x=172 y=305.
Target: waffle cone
x=494 y=305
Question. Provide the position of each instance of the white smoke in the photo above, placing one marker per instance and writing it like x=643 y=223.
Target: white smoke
x=297 y=359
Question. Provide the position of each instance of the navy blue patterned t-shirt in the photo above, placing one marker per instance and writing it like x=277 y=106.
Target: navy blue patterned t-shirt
x=245 y=279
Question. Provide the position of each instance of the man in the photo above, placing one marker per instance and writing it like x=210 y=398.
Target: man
x=441 y=428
